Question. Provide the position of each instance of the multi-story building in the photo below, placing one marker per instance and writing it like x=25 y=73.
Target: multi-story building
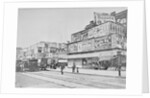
x=97 y=44
x=46 y=50
x=121 y=17
x=19 y=53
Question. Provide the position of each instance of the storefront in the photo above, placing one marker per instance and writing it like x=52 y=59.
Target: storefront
x=94 y=59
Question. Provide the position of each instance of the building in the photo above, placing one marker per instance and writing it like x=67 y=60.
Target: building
x=19 y=52
x=99 y=44
x=45 y=50
x=121 y=17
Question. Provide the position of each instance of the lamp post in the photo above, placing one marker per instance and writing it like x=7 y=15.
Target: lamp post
x=119 y=62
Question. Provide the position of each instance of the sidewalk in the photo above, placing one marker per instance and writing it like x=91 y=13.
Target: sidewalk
x=94 y=72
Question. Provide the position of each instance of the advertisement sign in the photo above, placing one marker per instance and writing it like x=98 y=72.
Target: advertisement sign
x=88 y=45
x=103 y=17
x=118 y=41
x=99 y=31
x=103 y=43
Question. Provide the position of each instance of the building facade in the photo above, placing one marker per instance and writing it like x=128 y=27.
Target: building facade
x=19 y=53
x=45 y=50
x=98 y=44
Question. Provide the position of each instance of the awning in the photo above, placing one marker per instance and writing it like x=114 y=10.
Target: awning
x=105 y=58
x=87 y=55
x=103 y=55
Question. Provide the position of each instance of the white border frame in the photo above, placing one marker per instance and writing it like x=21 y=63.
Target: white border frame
x=134 y=47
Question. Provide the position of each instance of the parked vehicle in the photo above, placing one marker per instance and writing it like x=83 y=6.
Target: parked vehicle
x=32 y=65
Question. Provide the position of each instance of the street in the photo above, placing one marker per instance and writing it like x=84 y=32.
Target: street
x=54 y=79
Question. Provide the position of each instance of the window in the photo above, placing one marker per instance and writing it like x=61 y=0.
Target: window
x=39 y=49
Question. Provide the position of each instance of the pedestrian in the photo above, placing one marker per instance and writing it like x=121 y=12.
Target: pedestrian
x=77 y=69
x=119 y=70
x=73 y=67
x=62 y=68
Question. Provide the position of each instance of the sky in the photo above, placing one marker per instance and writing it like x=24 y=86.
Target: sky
x=54 y=24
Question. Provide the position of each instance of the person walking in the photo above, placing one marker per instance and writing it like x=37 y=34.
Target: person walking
x=77 y=69
x=73 y=67
x=62 y=68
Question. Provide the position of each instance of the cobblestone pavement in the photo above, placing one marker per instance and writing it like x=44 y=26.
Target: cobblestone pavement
x=54 y=79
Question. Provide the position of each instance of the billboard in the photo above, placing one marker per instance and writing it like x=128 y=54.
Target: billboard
x=103 y=17
x=87 y=45
x=84 y=46
x=102 y=30
x=118 y=41
x=99 y=31
x=98 y=43
x=103 y=43
x=105 y=29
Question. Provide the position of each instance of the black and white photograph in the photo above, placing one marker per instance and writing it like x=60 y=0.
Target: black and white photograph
x=71 y=48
